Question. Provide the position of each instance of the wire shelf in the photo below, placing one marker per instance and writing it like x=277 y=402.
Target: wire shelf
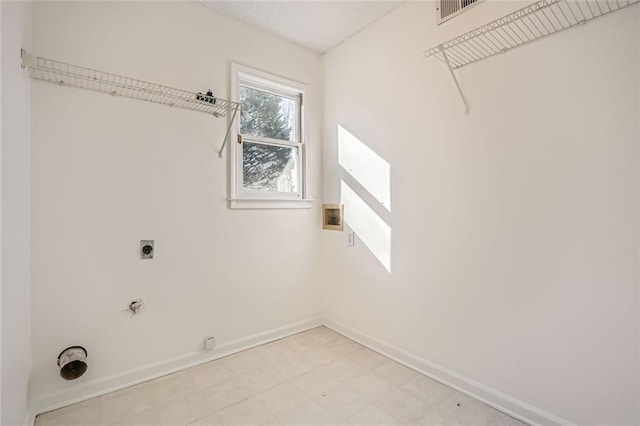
x=99 y=81
x=525 y=25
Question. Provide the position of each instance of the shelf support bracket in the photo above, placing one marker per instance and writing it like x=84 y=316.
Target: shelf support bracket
x=467 y=111
x=226 y=136
x=28 y=60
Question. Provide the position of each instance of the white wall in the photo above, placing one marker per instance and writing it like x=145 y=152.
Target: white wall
x=14 y=166
x=514 y=256
x=514 y=231
x=108 y=172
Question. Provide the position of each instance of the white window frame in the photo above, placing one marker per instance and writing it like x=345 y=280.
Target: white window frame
x=239 y=197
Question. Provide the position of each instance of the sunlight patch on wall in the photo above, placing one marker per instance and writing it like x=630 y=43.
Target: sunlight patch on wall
x=369 y=227
x=367 y=167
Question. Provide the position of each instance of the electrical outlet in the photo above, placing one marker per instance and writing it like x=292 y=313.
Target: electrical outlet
x=209 y=343
x=350 y=238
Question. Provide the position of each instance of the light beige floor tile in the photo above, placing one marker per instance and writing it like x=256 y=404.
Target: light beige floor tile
x=315 y=383
x=369 y=386
x=125 y=403
x=186 y=409
x=86 y=413
x=341 y=402
x=283 y=398
x=263 y=379
x=152 y=417
x=276 y=351
x=248 y=412
x=245 y=362
x=211 y=373
x=299 y=342
x=318 y=356
x=427 y=390
x=394 y=373
x=502 y=419
x=403 y=407
x=294 y=366
x=343 y=346
x=223 y=395
x=343 y=369
x=371 y=415
x=309 y=413
x=323 y=335
x=459 y=410
x=171 y=387
x=366 y=358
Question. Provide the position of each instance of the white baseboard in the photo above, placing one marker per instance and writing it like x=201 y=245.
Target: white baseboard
x=153 y=371
x=29 y=419
x=496 y=399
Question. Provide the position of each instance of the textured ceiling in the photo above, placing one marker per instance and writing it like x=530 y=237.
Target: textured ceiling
x=317 y=25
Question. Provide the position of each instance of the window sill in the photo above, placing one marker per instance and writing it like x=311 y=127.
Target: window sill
x=256 y=203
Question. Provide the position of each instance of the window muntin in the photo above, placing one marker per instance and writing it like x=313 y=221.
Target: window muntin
x=270 y=157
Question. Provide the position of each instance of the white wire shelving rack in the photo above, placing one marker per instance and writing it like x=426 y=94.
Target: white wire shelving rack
x=65 y=74
x=533 y=22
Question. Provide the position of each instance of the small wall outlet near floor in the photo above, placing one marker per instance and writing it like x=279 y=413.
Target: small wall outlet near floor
x=209 y=343
x=351 y=236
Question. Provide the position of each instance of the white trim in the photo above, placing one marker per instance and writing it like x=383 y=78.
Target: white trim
x=492 y=397
x=268 y=79
x=152 y=371
x=29 y=419
x=243 y=199
x=270 y=141
x=252 y=83
x=269 y=203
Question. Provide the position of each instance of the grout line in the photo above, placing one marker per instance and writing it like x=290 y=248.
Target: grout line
x=492 y=418
x=100 y=411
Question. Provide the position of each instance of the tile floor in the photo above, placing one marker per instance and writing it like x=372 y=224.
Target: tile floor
x=318 y=377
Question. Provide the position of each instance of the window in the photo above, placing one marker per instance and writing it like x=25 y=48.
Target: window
x=269 y=160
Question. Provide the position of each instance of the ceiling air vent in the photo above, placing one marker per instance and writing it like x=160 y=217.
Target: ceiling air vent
x=447 y=9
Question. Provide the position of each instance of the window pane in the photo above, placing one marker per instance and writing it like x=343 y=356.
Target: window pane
x=267 y=115
x=269 y=168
